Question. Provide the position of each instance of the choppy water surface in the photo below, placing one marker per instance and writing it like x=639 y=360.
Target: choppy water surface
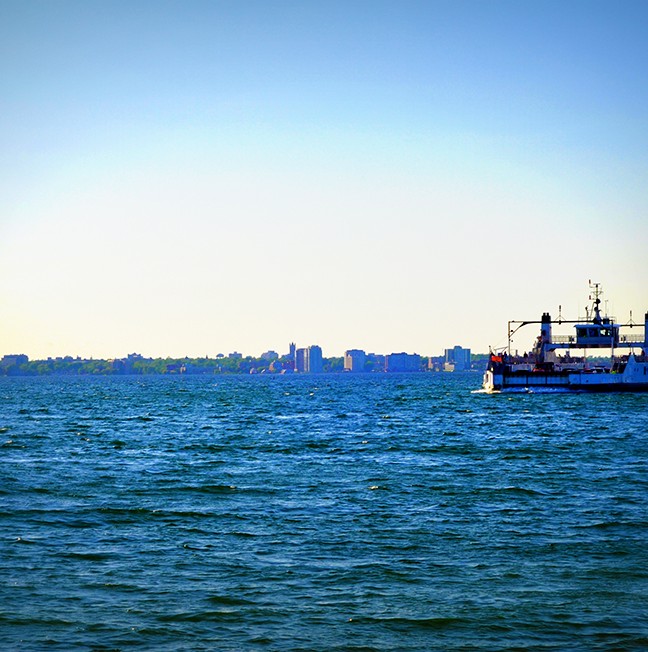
x=381 y=512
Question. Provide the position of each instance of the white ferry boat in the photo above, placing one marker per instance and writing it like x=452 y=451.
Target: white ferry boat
x=561 y=362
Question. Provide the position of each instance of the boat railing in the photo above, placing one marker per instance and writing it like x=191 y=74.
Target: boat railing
x=528 y=358
x=631 y=339
x=571 y=339
x=532 y=360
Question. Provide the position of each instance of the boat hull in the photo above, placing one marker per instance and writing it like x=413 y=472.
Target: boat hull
x=568 y=381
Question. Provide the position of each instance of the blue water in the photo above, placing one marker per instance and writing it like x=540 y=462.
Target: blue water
x=379 y=512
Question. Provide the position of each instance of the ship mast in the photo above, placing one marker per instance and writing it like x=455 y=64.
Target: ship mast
x=596 y=287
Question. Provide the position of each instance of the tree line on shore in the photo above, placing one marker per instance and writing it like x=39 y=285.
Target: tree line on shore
x=137 y=365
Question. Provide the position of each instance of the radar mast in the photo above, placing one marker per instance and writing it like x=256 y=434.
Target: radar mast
x=597 y=292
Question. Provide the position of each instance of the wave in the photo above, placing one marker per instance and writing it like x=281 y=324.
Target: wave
x=201 y=616
x=407 y=622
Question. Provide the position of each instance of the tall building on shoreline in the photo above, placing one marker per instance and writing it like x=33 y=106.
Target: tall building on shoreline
x=456 y=359
x=314 y=360
x=300 y=360
x=309 y=360
x=354 y=360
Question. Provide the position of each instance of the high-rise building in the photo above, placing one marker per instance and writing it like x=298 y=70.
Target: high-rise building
x=300 y=360
x=314 y=362
x=354 y=360
x=457 y=359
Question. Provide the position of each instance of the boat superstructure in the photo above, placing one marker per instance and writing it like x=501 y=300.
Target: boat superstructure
x=601 y=355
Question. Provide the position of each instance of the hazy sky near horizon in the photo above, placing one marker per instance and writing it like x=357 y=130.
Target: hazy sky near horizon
x=193 y=178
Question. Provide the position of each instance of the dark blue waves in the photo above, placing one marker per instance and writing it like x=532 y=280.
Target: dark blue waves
x=320 y=513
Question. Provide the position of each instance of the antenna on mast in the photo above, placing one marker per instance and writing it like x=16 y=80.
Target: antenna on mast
x=597 y=301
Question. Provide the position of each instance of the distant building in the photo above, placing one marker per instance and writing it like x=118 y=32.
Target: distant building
x=402 y=362
x=314 y=362
x=10 y=364
x=436 y=363
x=456 y=359
x=269 y=356
x=235 y=356
x=14 y=359
x=300 y=360
x=354 y=360
x=288 y=360
x=309 y=360
x=375 y=362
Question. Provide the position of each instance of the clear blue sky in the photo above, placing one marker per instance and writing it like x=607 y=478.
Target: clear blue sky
x=193 y=178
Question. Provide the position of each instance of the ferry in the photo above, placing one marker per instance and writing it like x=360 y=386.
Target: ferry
x=617 y=356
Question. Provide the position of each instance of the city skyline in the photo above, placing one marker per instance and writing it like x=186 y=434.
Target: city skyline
x=303 y=360
x=397 y=176
x=269 y=354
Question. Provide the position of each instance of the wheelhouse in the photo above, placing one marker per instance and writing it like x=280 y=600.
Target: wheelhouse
x=605 y=334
